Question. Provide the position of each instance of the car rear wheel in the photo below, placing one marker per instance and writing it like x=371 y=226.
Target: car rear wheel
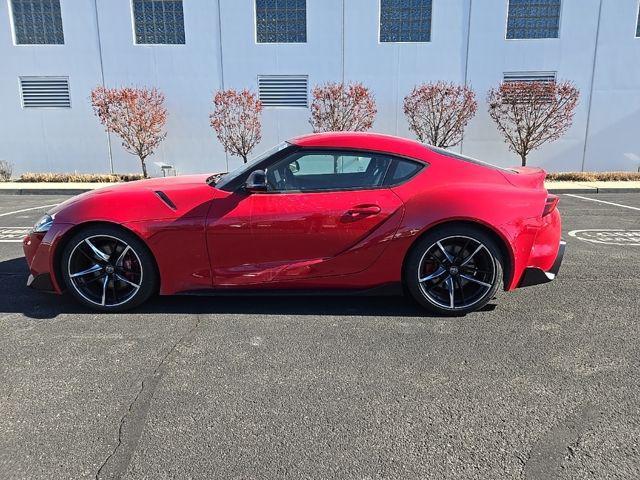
x=108 y=269
x=454 y=270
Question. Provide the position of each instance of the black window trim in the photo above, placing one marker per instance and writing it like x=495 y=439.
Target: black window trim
x=394 y=157
x=238 y=183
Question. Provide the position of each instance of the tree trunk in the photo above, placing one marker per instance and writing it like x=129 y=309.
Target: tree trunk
x=524 y=159
x=244 y=158
x=144 y=168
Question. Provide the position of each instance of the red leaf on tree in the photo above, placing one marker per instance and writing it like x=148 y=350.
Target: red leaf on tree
x=236 y=121
x=136 y=115
x=337 y=107
x=529 y=114
x=438 y=112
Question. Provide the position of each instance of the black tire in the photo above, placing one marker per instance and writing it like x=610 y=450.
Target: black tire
x=431 y=273
x=108 y=286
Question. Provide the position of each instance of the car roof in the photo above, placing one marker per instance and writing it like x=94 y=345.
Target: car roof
x=376 y=142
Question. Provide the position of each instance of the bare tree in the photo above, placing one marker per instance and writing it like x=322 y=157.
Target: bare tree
x=236 y=121
x=136 y=115
x=529 y=114
x=6 y=170
x=338 y=107
x=439 y=112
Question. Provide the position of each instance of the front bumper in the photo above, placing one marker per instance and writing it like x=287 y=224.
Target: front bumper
x=537 y=276
x=41 y=282
x=39 y=251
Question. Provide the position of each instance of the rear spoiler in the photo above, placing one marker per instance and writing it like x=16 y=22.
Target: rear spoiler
x=526 y=177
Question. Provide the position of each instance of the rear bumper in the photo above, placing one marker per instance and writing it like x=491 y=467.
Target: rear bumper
x=537 y=276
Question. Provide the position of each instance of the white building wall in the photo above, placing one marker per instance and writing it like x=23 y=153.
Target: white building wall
x=187 y=75
x=614 y=130
x=391 y=70
x=491 y=55
x=342 y=44
x=244 y=59
x=52 y=139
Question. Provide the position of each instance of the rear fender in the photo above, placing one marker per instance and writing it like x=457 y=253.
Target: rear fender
x=513 y=216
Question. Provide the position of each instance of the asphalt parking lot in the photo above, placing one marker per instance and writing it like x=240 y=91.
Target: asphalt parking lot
x=542 y=385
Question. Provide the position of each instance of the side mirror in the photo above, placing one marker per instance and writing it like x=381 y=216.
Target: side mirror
x=256 y=182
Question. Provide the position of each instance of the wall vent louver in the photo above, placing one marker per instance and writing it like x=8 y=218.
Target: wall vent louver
x=530 y=77
x=45 y=92
x=283 y=90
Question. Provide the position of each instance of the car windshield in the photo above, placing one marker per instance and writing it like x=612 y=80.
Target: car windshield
x=220 y=181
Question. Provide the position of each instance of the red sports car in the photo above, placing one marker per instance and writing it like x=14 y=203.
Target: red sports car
x=334 y=212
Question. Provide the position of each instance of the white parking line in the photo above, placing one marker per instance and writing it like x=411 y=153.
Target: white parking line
x=27 y=209
x=608 y=236
x=602 y=201
x=13 y=234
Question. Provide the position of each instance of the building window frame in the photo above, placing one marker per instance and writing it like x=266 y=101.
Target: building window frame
x=255 y=27
x=14 y=35
x=417 y=42
x=506 y=26
x=145 y=44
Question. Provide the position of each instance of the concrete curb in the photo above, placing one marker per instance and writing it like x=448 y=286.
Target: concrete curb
x=44 y=191
x=572 y=190
x=581 y=190
x=53 y=188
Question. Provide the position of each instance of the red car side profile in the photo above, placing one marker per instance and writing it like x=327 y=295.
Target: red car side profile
x=335 y=212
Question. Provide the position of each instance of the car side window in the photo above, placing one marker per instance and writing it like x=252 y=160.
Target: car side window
x=313 y=171
x=402 y=170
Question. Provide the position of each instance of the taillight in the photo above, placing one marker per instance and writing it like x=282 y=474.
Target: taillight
x=550 y=204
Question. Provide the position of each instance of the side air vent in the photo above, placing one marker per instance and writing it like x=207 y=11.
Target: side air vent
x=283 y=90
x=163 y=196
x=45 y=92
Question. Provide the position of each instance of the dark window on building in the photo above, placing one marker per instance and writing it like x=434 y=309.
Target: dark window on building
x=405 y=20
x=37 y=22
x=533 y=19
x=158 y=21
x=281 y=21
x=638 y=25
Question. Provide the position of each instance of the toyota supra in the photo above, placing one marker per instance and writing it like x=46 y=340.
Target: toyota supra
x=338 y=213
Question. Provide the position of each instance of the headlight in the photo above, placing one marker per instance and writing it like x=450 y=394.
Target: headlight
x=44 y=224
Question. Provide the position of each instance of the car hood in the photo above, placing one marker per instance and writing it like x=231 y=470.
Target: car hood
x=158 y=198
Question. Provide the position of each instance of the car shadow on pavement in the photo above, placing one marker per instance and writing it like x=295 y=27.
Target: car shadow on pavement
x=16 y=297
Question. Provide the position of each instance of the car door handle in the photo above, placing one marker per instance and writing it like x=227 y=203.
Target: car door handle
x=364 y=210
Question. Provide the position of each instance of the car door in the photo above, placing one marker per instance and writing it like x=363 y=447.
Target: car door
x=316 y=219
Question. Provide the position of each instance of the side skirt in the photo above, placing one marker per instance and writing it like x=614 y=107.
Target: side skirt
x=386 y=290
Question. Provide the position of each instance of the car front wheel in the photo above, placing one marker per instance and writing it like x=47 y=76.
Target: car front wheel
x=108 y=269
x=454 y=270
